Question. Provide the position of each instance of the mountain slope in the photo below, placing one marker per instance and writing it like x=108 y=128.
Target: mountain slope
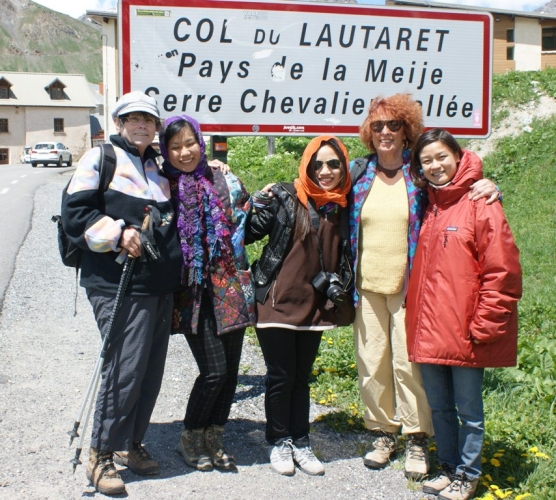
x=36 y=39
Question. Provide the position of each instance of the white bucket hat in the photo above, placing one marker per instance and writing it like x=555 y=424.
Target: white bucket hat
x=135 y=101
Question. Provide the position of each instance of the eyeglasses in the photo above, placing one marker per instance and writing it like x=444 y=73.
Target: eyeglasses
x=332 y=164
x=393 y=125
x=136 y=120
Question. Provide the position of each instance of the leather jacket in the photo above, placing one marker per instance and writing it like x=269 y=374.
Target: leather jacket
x=277 y=220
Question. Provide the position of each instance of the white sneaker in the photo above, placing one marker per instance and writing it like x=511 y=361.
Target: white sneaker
x=307 y=462
x=281 y=458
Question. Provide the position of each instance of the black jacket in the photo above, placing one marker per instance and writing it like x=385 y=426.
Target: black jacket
x=278 y=221
x=97 y=229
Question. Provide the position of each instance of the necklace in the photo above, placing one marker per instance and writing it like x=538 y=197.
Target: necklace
x=390 y=173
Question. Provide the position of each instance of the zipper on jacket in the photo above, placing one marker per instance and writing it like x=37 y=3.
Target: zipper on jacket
x=424 y=282
x=445 y=240
x=273 y=294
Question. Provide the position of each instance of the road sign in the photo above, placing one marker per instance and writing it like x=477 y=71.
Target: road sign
x=289 y=68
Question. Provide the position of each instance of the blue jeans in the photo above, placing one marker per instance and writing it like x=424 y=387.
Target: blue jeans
x=455 y=396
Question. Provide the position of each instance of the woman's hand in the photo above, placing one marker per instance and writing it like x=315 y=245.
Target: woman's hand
x=224 y=167
x=131 y=242
x=267 y=189
x=484 y=189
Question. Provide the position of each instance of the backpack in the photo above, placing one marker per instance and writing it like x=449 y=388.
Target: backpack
x=70 y=253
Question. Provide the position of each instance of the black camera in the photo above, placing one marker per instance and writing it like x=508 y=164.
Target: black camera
x=331 y=285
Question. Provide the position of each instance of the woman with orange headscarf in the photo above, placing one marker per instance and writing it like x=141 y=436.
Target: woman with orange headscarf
x=299 y=286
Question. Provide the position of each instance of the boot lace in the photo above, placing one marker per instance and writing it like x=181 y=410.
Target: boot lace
x=106 y=464
x=461 y=483
x=384 y=441
x=141 y=451
x=416 y=446
x=214 y=440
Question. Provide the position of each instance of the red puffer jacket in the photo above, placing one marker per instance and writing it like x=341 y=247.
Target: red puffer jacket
x=466 y=280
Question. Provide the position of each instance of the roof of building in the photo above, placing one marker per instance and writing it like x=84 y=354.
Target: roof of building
x=98 y=15
x=31 y=89
x=96 y=127
x=440 y=5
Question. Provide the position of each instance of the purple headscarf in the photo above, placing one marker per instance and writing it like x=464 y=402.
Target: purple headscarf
x=202 y=167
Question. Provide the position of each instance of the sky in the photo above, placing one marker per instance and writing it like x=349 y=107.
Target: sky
x=76 y=8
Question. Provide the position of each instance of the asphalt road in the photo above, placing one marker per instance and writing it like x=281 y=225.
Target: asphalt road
x=18 y=184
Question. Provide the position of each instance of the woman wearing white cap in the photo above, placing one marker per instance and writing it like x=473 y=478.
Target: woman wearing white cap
x=134 y=365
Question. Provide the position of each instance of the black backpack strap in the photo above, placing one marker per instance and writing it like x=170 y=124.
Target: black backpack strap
x=358 y=168
x=107 y=166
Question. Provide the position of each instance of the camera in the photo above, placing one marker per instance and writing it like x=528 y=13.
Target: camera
x=331 y=285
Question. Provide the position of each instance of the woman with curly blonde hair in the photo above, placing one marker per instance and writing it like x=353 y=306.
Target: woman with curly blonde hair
x=386 y=209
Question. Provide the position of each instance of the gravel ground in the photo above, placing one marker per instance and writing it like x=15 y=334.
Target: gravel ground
x=47 y=358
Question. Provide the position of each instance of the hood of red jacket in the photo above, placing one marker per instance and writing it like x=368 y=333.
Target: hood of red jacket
x=470 y=170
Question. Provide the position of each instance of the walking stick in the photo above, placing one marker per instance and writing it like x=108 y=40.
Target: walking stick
x=87 y=403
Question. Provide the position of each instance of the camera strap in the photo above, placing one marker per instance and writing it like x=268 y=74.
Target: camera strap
x=315 y=222
x=344 y=231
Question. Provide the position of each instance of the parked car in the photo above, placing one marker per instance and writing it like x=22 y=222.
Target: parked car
x=44 y=153
x=26 y=155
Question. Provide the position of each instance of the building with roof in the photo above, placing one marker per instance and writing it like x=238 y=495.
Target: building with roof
x=37 y=107
x=522 y=41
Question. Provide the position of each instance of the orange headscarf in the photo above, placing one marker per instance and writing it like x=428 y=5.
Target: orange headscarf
x=306 y=188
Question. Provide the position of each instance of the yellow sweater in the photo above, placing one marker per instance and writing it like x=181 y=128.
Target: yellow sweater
x=383 y=238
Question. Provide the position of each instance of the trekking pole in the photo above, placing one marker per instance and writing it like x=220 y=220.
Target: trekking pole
x=93 y=384
x=88 y=398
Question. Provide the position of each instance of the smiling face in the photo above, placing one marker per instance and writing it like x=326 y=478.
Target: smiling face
x=387 y=142
x=138 y=129
x=439 y=163
x=327 y=176
x=184 y=152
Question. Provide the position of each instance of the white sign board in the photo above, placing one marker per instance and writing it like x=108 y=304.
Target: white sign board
x=305 y=68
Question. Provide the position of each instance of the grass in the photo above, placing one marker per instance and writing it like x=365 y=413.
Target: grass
x=519 y=457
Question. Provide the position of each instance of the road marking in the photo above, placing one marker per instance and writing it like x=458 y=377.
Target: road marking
x=4 y=191
x=15 y=182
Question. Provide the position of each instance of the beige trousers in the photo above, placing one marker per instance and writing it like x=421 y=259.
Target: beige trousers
x=391 y=387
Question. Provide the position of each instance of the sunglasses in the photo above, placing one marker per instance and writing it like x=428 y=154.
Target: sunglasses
x=332 y=164
x=393 y=125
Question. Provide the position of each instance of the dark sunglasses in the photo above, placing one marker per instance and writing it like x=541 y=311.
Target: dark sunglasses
x=333 y=164
x=393 y=125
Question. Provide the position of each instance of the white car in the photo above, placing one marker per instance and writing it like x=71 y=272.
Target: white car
x=26 y=155
x=44 y=153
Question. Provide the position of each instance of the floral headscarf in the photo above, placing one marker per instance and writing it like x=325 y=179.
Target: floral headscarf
x=203 y=228
x=306 y=188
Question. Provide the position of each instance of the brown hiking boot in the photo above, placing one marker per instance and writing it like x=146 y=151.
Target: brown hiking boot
x=416 y=455
x=102 y=473
x=461 y=488
x=382 y=447
x=442 y=480
x=192 y=449
x=215 y=448
x=137 y=460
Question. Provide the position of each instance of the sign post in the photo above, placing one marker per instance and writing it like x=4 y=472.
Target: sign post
x=306 y=68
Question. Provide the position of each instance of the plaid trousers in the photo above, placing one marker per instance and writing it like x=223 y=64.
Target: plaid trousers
x=217 y=358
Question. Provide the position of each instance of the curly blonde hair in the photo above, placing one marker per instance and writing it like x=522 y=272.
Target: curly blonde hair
x=396 y=107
